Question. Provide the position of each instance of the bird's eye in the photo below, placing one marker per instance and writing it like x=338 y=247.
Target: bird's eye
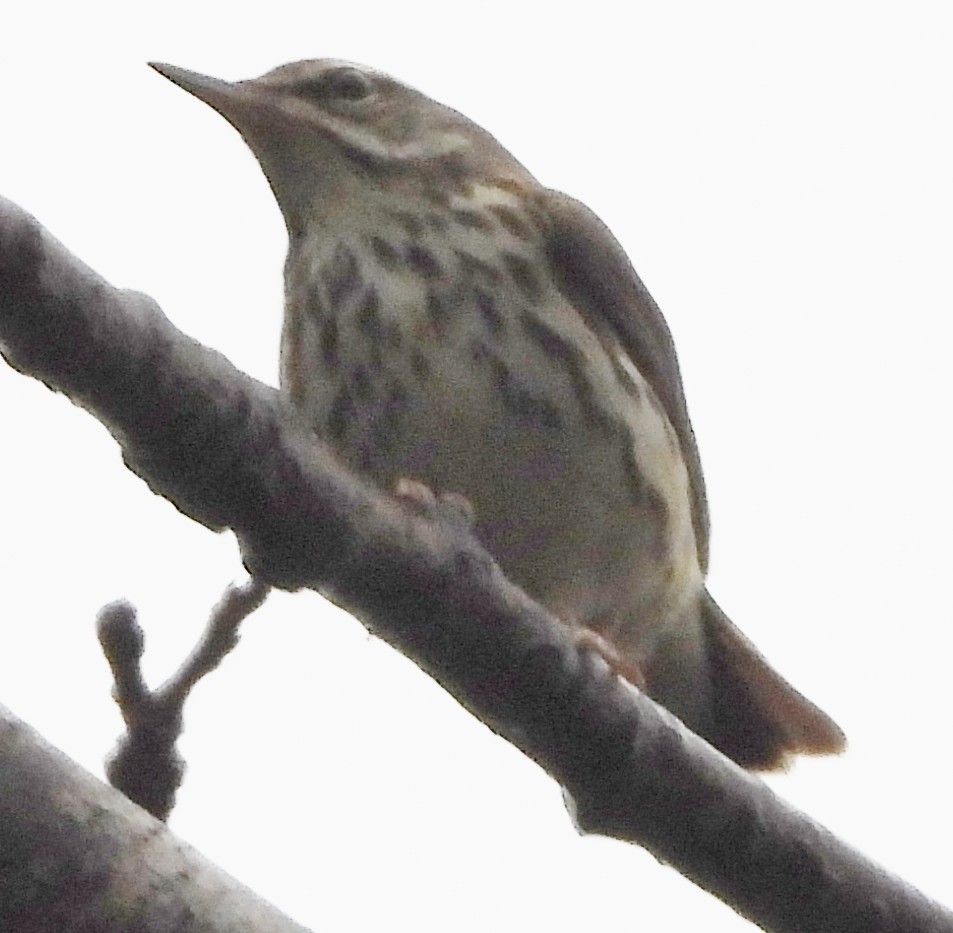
x=340 y=84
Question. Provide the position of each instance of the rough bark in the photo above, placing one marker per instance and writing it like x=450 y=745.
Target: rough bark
x=75 y=855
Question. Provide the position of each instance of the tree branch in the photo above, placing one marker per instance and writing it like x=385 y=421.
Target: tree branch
x=227 y=452
x=76 y=856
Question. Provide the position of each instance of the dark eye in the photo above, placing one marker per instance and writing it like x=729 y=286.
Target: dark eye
x=340 y=84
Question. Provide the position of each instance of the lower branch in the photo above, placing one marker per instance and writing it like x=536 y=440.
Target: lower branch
x=76 y=856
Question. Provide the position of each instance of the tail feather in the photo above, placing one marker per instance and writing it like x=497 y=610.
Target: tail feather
x=759 y=719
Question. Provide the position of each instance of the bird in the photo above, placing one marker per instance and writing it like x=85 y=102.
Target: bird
x=451 y=322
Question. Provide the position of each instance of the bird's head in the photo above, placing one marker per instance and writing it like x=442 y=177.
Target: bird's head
x=326 y=132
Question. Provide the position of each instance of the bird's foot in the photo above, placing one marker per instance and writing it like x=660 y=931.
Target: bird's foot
x=624 y=667
x=450 y=507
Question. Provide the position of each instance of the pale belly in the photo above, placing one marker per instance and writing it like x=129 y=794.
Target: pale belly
x=500 y=393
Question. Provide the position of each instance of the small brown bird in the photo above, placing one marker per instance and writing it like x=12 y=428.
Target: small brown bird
x=450 y=320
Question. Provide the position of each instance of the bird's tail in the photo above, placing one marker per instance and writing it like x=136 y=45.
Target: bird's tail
x=758 y=718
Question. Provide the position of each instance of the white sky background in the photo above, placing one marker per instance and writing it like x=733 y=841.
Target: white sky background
x=782 y=184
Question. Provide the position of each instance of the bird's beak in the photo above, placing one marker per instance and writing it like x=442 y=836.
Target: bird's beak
x=240 y=102
x=261 y=114
x=210 y=90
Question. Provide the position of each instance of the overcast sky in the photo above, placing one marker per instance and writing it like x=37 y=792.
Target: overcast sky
x=781 y=183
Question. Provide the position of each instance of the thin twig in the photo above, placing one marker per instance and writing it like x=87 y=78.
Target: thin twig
x=145 y=765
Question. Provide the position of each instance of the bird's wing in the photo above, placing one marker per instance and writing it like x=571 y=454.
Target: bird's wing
x=595 y=275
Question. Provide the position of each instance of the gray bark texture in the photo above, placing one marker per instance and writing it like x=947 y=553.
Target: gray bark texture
x=75 y=855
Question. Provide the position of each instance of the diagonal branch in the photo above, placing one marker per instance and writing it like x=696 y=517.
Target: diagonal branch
x=78 y=856
x=226 y=451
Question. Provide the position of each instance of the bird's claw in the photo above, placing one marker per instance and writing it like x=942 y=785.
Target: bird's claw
x=452 y=507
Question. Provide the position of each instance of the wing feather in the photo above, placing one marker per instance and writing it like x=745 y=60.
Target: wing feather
x=595 y=275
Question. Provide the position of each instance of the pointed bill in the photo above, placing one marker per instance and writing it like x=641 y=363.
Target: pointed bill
x=240 y=103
